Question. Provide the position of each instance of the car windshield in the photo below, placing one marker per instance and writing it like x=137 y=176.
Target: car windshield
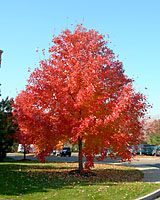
x=153 y=147
x=66 y=148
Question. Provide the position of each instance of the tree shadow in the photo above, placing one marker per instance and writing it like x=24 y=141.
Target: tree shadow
x=19 y=178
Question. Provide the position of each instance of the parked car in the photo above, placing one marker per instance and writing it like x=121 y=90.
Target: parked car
x=149 y=150
x=108 y=152
x=55 y=152
x=140 y=149
x=20 y=148
x=145 y=149
x=133 y=150
x=66 y=151
x=30 y=148
x=156 y=151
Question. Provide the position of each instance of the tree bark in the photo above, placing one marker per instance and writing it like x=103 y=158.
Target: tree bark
x=24 y=157
x=80 y=160
x=24 y=152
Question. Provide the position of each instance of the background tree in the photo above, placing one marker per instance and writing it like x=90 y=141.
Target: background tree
x=81 y=95
x=7 y=127
x=153 y=132
x=23 y=139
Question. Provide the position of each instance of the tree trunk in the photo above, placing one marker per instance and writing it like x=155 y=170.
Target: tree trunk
x=140 y=152
x=24 y=152
x=24 y=155
x=80 y=154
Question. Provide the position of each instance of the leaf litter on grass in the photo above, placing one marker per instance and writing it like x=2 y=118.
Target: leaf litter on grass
x=55 y=179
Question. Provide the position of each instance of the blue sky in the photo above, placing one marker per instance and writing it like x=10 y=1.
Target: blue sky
x=133 y=26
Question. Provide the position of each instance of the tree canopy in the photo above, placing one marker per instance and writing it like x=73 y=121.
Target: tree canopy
x=7 y=127
x=81 y=94
x=153 y=132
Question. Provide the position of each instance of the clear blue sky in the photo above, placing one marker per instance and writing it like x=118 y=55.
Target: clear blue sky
x=133 y=26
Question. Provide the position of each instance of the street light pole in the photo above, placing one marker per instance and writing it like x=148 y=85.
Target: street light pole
x=0 y=57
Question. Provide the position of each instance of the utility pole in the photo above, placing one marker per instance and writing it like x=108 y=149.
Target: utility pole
x=0 y=57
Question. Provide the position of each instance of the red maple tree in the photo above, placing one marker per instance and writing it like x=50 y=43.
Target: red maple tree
x=80 y=94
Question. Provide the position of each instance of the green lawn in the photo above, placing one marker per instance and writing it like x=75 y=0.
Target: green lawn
x=37 y=181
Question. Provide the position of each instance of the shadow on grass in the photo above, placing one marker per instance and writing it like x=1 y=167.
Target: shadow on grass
x=17 y=178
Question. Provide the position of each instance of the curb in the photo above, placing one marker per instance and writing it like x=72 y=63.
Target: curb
x=150 y=196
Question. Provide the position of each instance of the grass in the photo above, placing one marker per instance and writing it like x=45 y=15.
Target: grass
x=33 y=180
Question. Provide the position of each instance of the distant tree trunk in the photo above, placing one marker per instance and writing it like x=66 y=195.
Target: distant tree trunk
x=80 y=154
x=24 y=152
x=140 y=152
x=24 y=155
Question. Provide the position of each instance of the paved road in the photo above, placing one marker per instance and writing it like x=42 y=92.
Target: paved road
x=150 y=166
